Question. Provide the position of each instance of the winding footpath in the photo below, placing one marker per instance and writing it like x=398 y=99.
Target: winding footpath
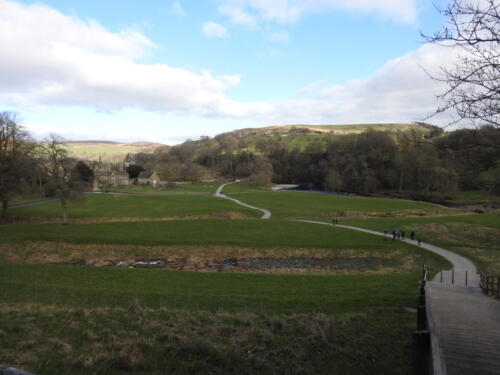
x=266 y=214
x=461 y=265
x=464 y=324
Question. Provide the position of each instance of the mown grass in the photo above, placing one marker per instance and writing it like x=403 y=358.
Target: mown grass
x=299 y=205
x=180 y=187
x=123 y=206
x=473 y=236
x=245 y=233
x=88 y=287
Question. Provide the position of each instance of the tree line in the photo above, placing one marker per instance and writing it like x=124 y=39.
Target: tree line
x=413 y=163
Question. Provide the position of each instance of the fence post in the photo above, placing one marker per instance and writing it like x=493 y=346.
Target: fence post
x=421 y=359
x=421 y=337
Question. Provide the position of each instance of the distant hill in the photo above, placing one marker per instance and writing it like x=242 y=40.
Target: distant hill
x=330 y=129
x=300 y=136
x=108 y=150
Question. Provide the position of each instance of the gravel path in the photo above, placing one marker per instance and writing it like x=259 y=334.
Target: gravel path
x=461 y=265
x=462 y=269
x=219 y=194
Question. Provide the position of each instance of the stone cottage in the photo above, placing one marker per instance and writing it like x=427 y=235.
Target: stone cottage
x=149 y=178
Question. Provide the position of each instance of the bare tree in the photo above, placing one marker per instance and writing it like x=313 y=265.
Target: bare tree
x=58 y=167
x=262 y=172
x=16 y=158
x=474 y=82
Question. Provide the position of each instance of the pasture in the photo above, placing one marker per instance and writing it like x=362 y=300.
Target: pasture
x=303 y=205
x=123 y=206
x=178 y=188
x=96 y=315
x=475 y=236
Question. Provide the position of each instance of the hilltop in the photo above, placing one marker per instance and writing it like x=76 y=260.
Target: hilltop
x=292 y=135
x=331 y=129
x=108 y=150
x=300 y=136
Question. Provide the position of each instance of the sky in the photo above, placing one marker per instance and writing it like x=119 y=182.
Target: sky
x=167 y=71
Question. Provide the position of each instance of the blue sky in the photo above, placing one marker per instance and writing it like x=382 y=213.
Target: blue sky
x=171 y=70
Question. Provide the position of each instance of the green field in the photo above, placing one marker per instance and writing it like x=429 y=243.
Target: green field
x=241 y=233
x=135 y=340
x=476 y=236
x=138 y=206
x=74 y=319
x=274 y=294
x=473 y=235
x=180 y=188
x=302 y=205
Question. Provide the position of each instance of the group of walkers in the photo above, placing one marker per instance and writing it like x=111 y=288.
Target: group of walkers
x=396 y=233
x=400 y=234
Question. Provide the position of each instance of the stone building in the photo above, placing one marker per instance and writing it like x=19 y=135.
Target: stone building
x=110 y=174
x=149 y=178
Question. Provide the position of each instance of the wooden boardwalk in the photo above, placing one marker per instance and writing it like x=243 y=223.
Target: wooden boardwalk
x=466 y=326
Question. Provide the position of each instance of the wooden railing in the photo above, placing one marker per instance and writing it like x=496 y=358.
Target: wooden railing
x=490 y=284
x=422 y=360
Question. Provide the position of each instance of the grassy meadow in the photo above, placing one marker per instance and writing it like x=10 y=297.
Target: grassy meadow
x=66 y=308
x=475 y=236
x=304 y=205
x=123 y=206
x=179 y=188
x=470 y=234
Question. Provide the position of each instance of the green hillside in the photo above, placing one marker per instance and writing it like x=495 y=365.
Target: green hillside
x=300 y=136
x=331 y=129
x=108 y=151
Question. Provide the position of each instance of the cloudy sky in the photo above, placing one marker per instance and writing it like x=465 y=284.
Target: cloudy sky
x=163 y=70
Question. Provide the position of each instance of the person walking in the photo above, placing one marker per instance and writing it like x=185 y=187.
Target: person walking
x=403 y=234
x=336 y=219
x=394 y=232
x=412 y=235
x=333 y=221
x=398 y=233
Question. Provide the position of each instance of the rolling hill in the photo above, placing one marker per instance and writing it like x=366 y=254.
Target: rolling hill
x=331 y=129
x=107 y=150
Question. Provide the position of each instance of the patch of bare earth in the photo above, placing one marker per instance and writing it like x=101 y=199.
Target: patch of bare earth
x=210 y=258
x=94 y=220
x=434 y=212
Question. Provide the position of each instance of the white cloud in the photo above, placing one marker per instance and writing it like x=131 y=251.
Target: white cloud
x=238 y=15
x=67 y=62
x=214 y=30
x=49 y=58
x=279 y=37
x=399 y=91
x=248 y=12
x=177 y=9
